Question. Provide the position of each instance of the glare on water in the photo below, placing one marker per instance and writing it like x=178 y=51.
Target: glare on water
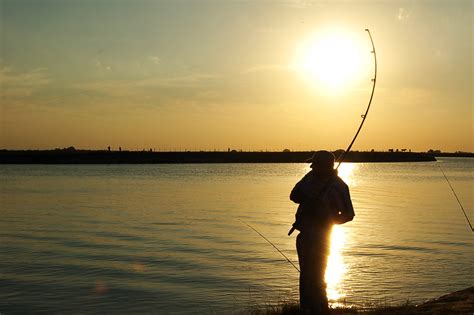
x=346 y=172
x=336 y=267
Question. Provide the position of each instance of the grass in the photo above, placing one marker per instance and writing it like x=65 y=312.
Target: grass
x=292 y=308
x=459 y=302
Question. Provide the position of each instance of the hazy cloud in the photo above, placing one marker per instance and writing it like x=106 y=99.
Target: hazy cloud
x=135 y=87
x=101 y=65
x=155 y=59
x=404 y=13
x=299 y=4
x=18 y=84
x=193 y=79
x=418 y=97
x=261 y=68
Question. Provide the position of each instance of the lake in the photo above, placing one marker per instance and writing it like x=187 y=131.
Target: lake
x=171 y=238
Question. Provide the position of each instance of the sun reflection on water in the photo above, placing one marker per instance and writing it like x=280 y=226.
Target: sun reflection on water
x=346 y=172
x=336 y=267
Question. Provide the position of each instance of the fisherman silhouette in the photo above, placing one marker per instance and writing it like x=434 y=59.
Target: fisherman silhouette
x=323 y=200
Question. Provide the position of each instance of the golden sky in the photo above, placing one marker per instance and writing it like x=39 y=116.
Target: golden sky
x=250 y=75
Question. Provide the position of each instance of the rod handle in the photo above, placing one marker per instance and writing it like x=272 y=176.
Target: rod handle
x=291 y=230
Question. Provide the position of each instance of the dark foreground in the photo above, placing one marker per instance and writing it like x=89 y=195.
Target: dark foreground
x=72 y=156
x=459 y=302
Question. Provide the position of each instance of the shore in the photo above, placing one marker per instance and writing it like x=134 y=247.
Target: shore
x=72 y=156
x=459 y=302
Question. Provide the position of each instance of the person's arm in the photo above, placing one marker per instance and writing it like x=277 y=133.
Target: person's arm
x=341 y=204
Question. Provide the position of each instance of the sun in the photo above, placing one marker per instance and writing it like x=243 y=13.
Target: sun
x=330 y=59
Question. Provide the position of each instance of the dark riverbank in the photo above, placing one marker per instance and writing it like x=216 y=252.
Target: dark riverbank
x=72 y=156
x=459 y=302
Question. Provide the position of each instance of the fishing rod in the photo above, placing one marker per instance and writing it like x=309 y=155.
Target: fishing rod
x=455 y=195
x=274 y=246
x=364 y=116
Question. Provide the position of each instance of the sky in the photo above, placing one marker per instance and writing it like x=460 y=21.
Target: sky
x=245 y=75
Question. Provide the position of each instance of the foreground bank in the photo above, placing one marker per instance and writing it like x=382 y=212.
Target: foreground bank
x=459 y=302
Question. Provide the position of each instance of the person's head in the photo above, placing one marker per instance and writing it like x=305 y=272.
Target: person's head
x=322 y=161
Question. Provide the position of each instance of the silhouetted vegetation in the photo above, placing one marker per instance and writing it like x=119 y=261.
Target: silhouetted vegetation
x=459 y=302
x=108 y=156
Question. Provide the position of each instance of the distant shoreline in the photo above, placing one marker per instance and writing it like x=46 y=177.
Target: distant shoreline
x=72 y=156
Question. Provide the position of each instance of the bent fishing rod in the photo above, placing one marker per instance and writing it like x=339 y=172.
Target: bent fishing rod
x=341 y=159
x=364 y=116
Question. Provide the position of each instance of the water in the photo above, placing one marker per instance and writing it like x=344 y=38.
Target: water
x=167 y=238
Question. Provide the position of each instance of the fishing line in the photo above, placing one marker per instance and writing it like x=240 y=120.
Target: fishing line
x=274 y=246
x=455 y=195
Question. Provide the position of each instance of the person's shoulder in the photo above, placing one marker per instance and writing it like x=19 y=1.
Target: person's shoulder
x=340 y=181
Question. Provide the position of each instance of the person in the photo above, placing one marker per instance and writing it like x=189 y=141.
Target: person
x=324 y=200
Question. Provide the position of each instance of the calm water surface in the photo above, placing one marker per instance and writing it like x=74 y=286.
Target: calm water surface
x=168 y=238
